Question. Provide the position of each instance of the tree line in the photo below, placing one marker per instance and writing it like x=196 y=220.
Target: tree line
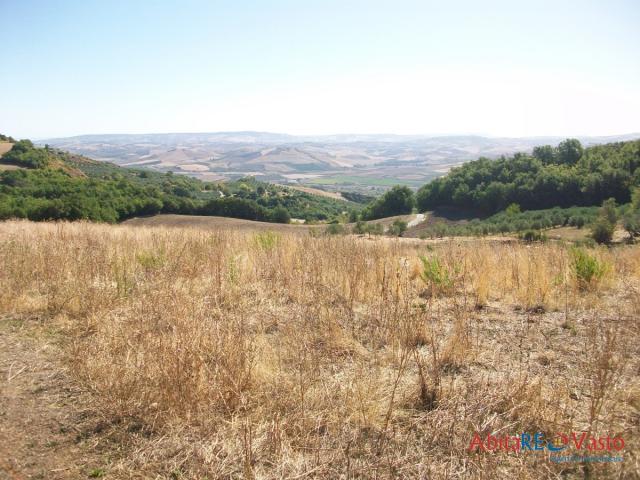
x=563 y=176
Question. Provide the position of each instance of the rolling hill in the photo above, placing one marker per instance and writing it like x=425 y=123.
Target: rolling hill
x=50 y=184
x=334 y=162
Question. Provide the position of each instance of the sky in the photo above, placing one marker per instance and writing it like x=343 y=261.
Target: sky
x=497 y=68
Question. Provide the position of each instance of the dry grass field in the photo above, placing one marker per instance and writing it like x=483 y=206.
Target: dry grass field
x=5 y=147
x=317 y=191
x=241 y=354
x=212 y=223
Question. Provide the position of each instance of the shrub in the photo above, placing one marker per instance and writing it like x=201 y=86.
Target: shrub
x=280 y=215
x=577 y=221
x=608 y=211
x=586 y=267
x=530 y=236
x=436 y=275
x=632 y=224
x=375 y=229
x=512 y=209
x=335 y=229
x=397 y=201
x=266 y=240
x=440 y=230
x=360 y=228
x=398 y=228
x=602 y=231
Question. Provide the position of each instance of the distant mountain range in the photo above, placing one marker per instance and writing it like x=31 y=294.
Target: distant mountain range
x=332 y=162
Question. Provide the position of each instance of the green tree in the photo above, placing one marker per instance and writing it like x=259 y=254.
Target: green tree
x=631 y=219
x=602 y=231
x=397 y=201
x=569 y=151
x=545 y=153
x=608 y=211
x=360 y=228
x=603 y=228
x=397 y=228
x=513 y=209
x=280 y=215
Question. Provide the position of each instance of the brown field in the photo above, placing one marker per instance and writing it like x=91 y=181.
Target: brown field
x=224 y=223
x=574 y=234
x=317 y=191
x=154 y=352
x=216 y=224
x=5 y=147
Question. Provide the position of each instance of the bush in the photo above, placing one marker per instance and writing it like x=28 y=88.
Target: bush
x=266 y=240
x=533 y=236
x=577 y=221
x=513 y=209
x=375 y=229
x=335 y=229
x=586 y=267
x=602 y=231
x=608 y=211
x=397 y=228
x=397 y=201
x=360 y=228
x=280 y=215
x=632 y=224
x=436 y=275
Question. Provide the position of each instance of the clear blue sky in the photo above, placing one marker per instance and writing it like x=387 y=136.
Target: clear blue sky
x=510 y=68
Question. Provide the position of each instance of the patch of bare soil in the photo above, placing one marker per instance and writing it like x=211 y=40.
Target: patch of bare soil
x=5 y=147
x=47 y=428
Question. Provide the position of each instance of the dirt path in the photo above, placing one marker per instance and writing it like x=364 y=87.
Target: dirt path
x=417 y=220
x=46 y=427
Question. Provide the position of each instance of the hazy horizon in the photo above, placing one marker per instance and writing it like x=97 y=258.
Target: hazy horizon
x=496 y=69
x=329 y=135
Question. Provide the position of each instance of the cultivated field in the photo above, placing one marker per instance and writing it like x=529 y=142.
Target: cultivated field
x=185 y=353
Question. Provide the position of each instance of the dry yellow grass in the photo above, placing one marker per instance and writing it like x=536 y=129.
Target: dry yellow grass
x=217 y=224
x=5 y=147
x=260 y=355
x=317 y=191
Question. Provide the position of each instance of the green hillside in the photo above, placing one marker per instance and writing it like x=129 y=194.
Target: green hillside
x=563 y=176
x=53 y=185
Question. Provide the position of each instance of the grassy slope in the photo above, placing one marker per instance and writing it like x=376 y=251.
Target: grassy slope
x=213 y=355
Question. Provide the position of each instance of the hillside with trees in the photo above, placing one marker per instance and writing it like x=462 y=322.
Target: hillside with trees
x=397 y=201
x=55 y=185
x=563 y=176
